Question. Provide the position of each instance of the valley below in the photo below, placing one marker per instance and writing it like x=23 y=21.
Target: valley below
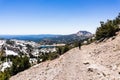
x=96 y=61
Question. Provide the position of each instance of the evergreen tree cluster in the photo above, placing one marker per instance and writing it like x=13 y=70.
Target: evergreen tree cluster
x=18 y=64
x=108 y=29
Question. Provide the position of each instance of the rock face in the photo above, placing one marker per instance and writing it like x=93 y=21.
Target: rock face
x=97 y=61
x=84 y=33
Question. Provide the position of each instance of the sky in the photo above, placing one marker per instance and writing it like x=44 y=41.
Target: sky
x=54 y=16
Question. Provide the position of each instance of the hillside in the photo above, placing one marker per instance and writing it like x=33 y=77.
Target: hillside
x=97 y=61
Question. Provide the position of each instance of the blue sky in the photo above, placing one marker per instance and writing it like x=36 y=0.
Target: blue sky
x=54 y=16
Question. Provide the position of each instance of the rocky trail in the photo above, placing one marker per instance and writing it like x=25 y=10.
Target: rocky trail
x=97 y=61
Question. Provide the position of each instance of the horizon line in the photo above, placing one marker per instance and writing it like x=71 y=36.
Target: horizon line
x=44 y=33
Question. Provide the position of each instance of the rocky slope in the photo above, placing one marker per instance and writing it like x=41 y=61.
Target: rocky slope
x=97 y=61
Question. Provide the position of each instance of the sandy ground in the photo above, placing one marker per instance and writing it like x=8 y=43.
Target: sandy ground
x=97 y=61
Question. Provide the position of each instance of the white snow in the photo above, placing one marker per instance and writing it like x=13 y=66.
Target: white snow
x=33 y=60
x=6 y=65
x=2 y=42
x=9 y=52
x=36 y=52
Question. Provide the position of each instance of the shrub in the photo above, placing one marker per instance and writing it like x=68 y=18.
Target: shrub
x=19 y=64
x=52 y=56
x=4 y=75
x=66 y=48
x=10 y=42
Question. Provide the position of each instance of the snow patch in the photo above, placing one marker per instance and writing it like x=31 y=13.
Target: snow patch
x=6 y=65
x=9 y=52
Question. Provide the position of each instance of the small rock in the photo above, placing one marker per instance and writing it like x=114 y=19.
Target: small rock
x=86 y=63
x=90 y=69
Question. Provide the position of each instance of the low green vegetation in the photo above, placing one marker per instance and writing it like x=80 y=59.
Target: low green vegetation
x=48 y=56
x=10 y=42
x=53 y=55
x=5 y=75
x=18 y=64
x=62 y=50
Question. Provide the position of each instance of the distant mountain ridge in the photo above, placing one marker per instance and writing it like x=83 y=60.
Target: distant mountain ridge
x=68 y=39
x=62 y=38
x=35 y=38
